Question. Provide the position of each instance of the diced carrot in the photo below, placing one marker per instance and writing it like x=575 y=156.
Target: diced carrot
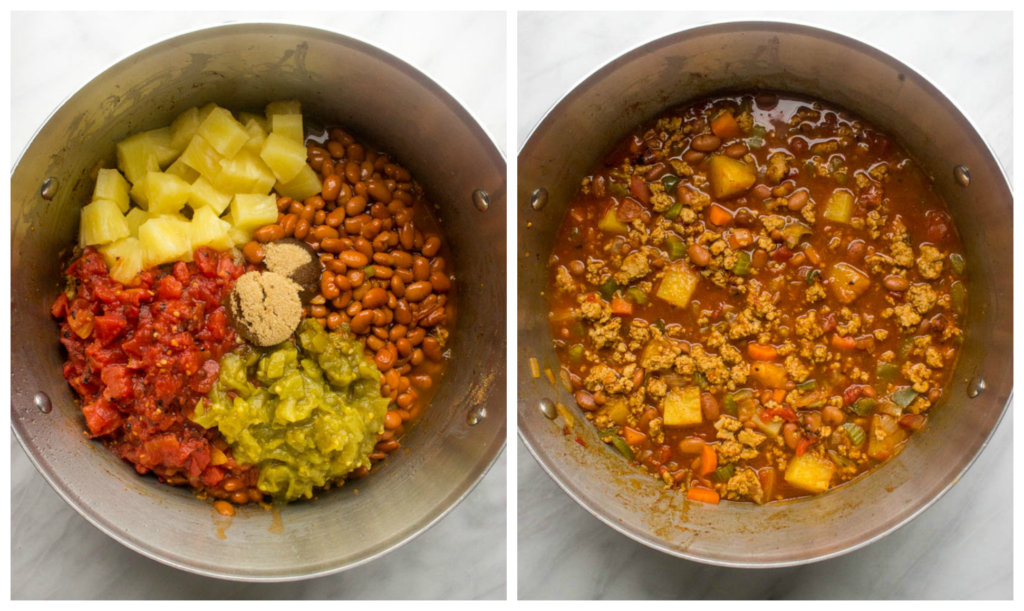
x=704 y=495
x=621 y=307
x=762 y=352
x=708 y=460
x=812 y=255
x=843 y=343
x=725 y=126
x=632 y=436
x=719 y=215
x=778 y=395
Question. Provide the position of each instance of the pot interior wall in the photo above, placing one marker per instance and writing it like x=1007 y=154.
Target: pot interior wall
x=738 y=57
x=378 y=99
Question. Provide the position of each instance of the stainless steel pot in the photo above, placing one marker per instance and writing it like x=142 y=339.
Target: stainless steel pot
x=733 y=57
x=379 y=99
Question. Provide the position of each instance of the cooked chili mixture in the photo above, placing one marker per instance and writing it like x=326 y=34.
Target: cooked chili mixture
x=254 y=308
x=757 y=297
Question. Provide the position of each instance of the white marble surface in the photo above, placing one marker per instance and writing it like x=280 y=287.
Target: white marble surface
x=55 y=553
x=962 y=546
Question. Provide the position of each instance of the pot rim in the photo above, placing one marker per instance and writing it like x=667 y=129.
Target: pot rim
x=458 y=110
x=738 y=27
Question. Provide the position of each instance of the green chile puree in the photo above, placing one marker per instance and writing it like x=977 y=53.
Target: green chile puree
x=312 y=416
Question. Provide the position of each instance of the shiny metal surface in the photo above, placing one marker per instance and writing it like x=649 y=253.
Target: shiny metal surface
x=739 y=56
x=378 y=98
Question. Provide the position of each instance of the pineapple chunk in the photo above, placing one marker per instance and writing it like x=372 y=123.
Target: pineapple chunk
x=885 y=437
x=840 y=206
x=135 y=157
x=111 y=185
x=305 y=184
x=261 y=121
x=244 y=173
x=165 y=238
x=678 y=284
x=135 y=218
x=681 y=407
x=771 y=375
x=182 y=170
x=223 y=132
x=165 y=193
x=184 y=127
x=204 y=194
x=202 y=157
x=101 y=223
x=139 y=193
x=238 y=236
x=207 y=229
x=283 y=107
x=257 y=135
x=289 y=126
x=610 y=222
x=729 y=176
x=285 y=157
x=124 y=258
x=846 y=282
x=249 y=211
x=810 y=472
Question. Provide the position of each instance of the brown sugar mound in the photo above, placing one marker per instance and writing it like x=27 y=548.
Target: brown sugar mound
x=297 y=261
x=265 y=307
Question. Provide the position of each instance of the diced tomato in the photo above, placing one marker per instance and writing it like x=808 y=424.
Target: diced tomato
x=169 y=287
x=118 y=382
x=629 y=210
x=639 y=189
x=59 y=309
x=109 y=326
x=181 y=273
x=803 y=444
x=101 y=417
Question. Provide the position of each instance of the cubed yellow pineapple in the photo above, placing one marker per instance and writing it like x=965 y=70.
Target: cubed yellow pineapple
x=204 y=194
x=182 y=170
x=135 y=157
x=245 y=117
x=139 y=193
x=283 y=107
x=207 y=229
x=257 y=135
x=681 y=407
x=730 y=176
x=305 y=184
x=110 y=184
x=285 y=156
x=101 y=223
x=202 y=157
x=238 y=236
x=165 y=238
x=810 y=472
x=244 y=173
x=165 y=193
x=223 y=132
x=124 y=258
x=249 y=211
x=678 y=284
x=135 y=218
x=184 y=127
x=839 y=207
x=289 y=126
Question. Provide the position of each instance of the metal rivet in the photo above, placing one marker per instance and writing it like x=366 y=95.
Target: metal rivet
x=962 y=175
x=476 y=415
x=481 y=199
x=538 y=198
x=975 y=386
x=49 y=188
x=42 y=401
x=547 y=407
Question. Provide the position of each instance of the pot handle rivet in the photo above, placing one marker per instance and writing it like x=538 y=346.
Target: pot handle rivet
x=547 y=407
x=49 y=188
x=476 y=415
x=481 y=200
x=975 y=387
x=962 y=175
x=538 y=198
x=42 y=401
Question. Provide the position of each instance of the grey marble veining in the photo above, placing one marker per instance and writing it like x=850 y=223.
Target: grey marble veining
x=57 y=554
x=960 y=548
